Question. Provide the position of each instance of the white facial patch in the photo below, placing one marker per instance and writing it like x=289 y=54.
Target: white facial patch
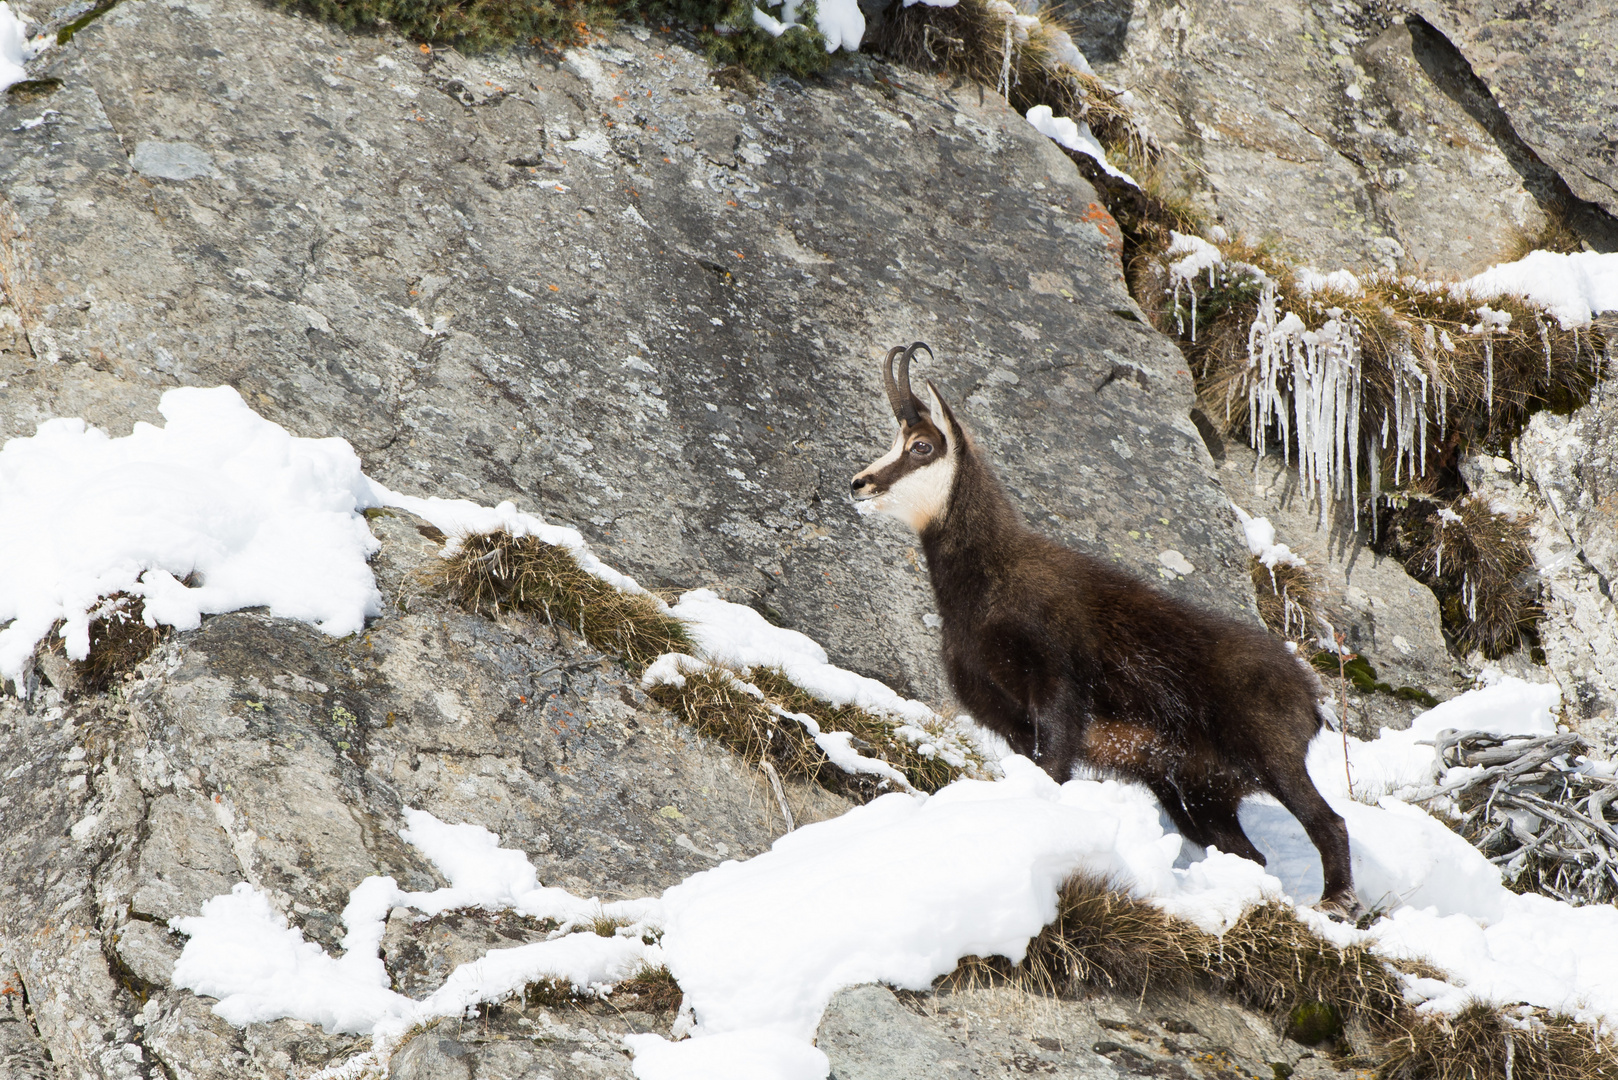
x=919 y=497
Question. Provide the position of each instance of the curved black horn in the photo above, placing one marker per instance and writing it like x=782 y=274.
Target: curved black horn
x=902 y=400
x=904 y=375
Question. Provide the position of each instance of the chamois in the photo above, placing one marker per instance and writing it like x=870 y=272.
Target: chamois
x=1074 y=661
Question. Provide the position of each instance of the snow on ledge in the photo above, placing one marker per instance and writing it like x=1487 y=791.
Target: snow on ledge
x=15 y=47
x=1574 y=288
x=840 y=22
x=1075 y=136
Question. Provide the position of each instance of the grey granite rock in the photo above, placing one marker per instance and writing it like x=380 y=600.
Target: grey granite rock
x=1553 y=68
x=1331 y=129
x=172 y=161
x=871 y=1034
x=604 y=287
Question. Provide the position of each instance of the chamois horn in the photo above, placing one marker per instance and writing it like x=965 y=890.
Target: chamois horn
x=906 y=406
x=902 y=401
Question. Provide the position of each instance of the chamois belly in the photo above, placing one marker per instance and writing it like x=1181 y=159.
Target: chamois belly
x=1140 y=752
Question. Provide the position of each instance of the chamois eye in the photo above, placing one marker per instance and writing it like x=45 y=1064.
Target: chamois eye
x=921 y=448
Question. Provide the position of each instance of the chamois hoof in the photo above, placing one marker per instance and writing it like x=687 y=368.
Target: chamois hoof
x=1344 y=907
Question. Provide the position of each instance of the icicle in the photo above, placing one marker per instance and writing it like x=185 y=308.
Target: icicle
x=1545 y=340
x=1488 y=370
x=1373 y=467
x=1398 y=425
x=1421 y=421
x=1004 y=86
x=1354 y=442
x=1488 y=321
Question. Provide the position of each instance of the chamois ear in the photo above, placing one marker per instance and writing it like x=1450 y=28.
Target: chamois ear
x=942 y=417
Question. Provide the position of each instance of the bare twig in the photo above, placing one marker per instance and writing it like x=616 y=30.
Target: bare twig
x=1536 y=810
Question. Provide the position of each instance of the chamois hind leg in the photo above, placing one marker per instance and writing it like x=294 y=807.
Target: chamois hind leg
x=1289 y=782
x=1224 y=828
x=1174 y=806
x=1205 y=819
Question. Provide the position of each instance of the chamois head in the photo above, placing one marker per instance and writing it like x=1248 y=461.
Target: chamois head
x=912 y=481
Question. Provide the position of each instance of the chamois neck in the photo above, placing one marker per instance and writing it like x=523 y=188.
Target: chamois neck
x=978 y=527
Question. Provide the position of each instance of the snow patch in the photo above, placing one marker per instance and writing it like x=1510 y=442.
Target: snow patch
x=1574 y=288
x=840 y=22
x=260 y=516
x=1075 y=136
x=15 y=48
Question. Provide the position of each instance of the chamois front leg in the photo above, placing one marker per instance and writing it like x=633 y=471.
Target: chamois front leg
x=1039 y=680
x=1058 y=717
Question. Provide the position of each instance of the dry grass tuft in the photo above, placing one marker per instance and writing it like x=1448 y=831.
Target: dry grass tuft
x=652 y=988
x=1555 y=233
x=119 y=639
x=715 y=703
x=1481 y=1043
x=496 y=570
x=1286 y=597
x=1477 y=562
x=550 y=993
x=874 y=736
x=1272 y=962
x=1104 y=938
x=968 y=40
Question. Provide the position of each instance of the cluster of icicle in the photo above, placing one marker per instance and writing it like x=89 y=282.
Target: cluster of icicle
x=1308 y=383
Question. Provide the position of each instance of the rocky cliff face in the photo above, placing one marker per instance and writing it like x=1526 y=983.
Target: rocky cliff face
x=1366 y=135
x=651 y=306
x=605 y=287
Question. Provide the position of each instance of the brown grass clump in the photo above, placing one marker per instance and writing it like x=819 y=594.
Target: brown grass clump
x=652 y=988
x=1286 y=597
x=1271 y=962
x=1477 y=562
x=873 y=735
x=496 y=570
x=119 y=639
x=714 y=702
x=550 y=993
x=1555 y=233
x=968 y=40
x=1479 y=1043
x=1104 y=938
